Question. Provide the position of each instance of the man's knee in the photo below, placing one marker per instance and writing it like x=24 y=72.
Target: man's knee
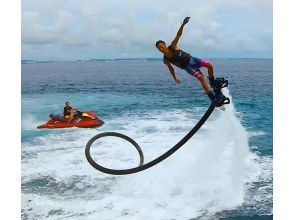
x=209 y=66
x=198 y=74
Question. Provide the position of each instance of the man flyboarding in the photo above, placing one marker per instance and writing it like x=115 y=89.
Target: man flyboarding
x=174 y=55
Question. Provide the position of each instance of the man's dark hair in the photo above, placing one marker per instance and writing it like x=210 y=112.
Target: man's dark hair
x=66 y=102
x=159 y=42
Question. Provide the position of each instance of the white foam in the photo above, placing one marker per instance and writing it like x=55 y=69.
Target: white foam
x=29 y=122
x=256 y=133
x=210 y=173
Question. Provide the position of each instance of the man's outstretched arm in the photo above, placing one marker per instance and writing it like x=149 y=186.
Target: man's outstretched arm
x=172 y=71
x=179 y=33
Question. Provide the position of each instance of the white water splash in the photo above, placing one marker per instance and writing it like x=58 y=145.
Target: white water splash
x=204 y=177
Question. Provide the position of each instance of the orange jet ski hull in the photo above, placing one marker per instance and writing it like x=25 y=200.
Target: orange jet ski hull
x=84 y=120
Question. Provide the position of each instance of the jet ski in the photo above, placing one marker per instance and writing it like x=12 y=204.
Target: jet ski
x=85 y=119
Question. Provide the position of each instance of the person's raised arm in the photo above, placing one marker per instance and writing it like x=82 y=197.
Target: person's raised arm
x=179 y=33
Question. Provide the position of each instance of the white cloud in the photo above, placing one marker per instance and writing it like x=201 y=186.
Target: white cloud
x=130 y=28
x=34 y=31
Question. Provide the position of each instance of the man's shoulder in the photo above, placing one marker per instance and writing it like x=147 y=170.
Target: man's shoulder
x=173 y=48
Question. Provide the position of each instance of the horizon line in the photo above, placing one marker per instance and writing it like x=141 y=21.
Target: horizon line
x=122 y=59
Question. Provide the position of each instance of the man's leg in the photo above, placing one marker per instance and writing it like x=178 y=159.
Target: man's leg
x=208 y=65
x=69 y=118
x=216 y=100
x=198 y=74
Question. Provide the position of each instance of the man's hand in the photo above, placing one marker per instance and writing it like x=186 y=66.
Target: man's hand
x=186 y=20
x=178 y=81
x=73 y=111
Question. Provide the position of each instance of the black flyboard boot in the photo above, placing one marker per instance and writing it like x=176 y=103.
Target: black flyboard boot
x=217 y=84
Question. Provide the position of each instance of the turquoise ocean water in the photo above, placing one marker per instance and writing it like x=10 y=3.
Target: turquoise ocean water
x=223 y=172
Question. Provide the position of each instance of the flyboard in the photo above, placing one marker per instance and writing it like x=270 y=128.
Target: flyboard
x=218 y=84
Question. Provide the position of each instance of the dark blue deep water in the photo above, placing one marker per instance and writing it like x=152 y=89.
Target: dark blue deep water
x=136 y=90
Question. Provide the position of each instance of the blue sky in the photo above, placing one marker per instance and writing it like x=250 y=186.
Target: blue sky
x=85 y=29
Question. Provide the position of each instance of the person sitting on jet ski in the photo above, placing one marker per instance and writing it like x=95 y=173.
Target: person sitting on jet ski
x=68 y=112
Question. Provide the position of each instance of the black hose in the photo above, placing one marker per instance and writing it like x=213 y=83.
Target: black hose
x=151 y=163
